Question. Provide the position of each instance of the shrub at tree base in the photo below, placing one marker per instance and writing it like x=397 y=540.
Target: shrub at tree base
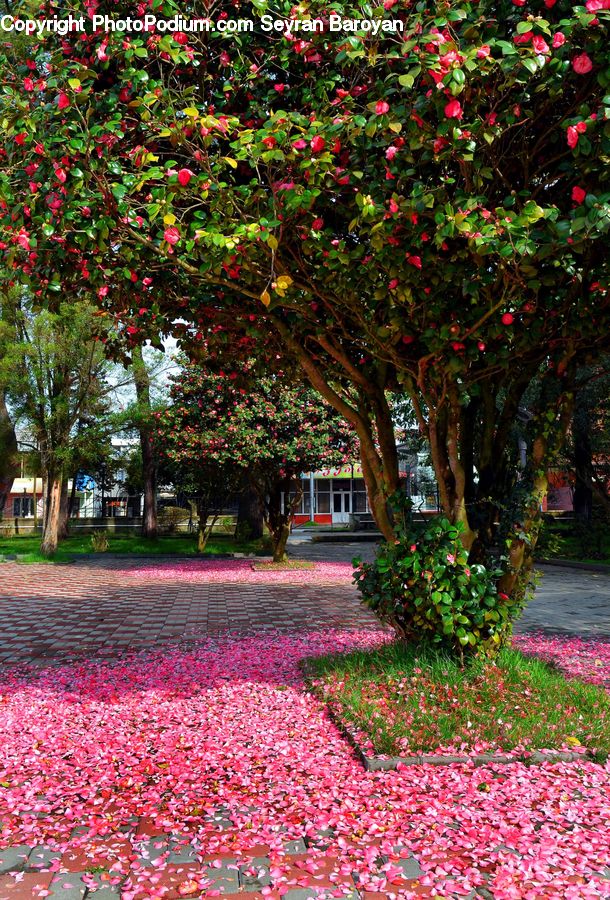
x=424 y=588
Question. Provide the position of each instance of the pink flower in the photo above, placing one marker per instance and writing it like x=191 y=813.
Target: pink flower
x=582 y=64
x=539 y=44
x=381 y=107
x=559 y=39
x=596 y=5
x=483 y=51
x=450 y=559
x=453 y=110
x=317 y=143
x=391 y=153
x=184 y=176
x=63 y=101
x=578 y=194
x=299 y=144
x=572 y=135
x=171 y=235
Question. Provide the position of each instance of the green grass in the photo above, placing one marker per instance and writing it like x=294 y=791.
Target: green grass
x=562 y=540
x=403 y=699
x=27 y=547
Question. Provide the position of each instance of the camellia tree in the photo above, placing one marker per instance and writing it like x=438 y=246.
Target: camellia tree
x=222 y=426
x=419 y=208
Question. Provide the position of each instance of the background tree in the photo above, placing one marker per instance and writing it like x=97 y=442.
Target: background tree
x=9 y=456
x=144 y=423
x=229 y=428
x=54 y=372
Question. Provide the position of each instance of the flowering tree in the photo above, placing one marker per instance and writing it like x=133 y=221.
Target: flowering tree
x=422 y=210
x=222 y=426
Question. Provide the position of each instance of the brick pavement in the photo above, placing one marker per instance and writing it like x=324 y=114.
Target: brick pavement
x=54 y=613
x=93 y=608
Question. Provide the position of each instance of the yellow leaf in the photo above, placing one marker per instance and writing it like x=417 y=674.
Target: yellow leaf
x=284 y=282
x=396 y=127
x=169 y=219
x=266 y=298
x=573 y=741
x=272 y=242
x=191 y=112
x=230 y=161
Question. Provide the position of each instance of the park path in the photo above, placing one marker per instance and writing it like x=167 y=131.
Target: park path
x=149 y=753
x=98 y=606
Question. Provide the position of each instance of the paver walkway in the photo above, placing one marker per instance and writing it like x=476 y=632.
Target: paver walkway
x=150 y=761
x=95 y=607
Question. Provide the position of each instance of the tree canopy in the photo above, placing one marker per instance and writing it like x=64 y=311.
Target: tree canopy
x=423 y=210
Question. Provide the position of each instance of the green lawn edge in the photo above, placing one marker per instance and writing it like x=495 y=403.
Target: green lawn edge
x=27 y=547
x=379 y=699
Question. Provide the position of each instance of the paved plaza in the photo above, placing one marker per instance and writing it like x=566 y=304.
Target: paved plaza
x=196 y=765
x=96 y=607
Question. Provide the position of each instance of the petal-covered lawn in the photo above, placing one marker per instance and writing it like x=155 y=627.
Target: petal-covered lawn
x=225 y=728
x=241 y=571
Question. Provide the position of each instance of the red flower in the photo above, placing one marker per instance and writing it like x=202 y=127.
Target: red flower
x=171 y=235
x=20 y=138
x=508 y=319
x=414 y=261
x=381 y=107
x=559 y=39
x=317 y=144
x=578 y=194
x=28 y=84
x=582 y=64
x=269 y=142
x=63 y=101
x=184 y=176
x=572 y=135
x=453 y=110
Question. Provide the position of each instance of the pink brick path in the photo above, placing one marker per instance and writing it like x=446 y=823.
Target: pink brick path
x=96 y=608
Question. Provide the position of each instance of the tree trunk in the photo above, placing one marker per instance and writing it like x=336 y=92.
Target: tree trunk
x=50 y=535
x=150 y=527
x=9 y=460
x=62 y=528
x=250 y=514
x=203 y=529
x=280 y=539
x=279 y=516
